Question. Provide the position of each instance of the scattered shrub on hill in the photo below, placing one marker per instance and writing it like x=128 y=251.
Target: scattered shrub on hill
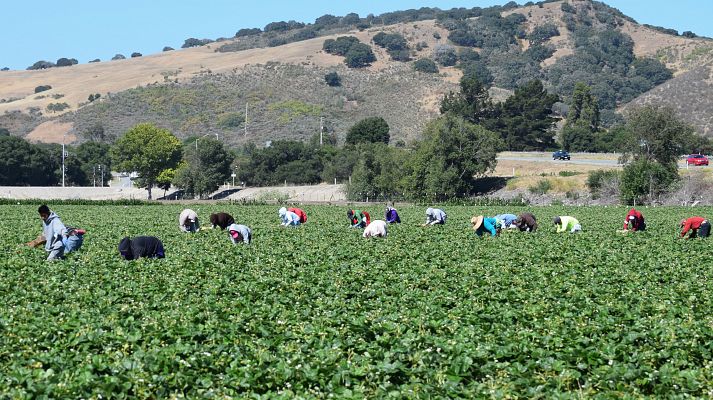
x=425 y=65
x=193 y=42
x=230 y=120
x=118 y=57
x=350 y=19
x=395 y=44
x=41 y=65
x=359 y=56
x=93 y=97
x=66 y=62
x=445 y=55
x=283 y=26
x=326 y=21
x=57 y=107
x=168 y=48
x=42 y=88
x=4 y=132
x=135 y=54
x=539 y=52
x=96 y=60
x=543 y=33
x=5 y=69
x=248 y=32
x=339 y=46
x=333 y=79
x=689 y=34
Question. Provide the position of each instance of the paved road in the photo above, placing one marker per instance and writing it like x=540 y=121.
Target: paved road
x=581 y=161
x=550 y=160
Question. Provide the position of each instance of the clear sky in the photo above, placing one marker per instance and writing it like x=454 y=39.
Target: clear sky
x=89 y=29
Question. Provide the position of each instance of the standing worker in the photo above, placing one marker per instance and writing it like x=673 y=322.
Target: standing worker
x=392 y=216
x=482 y=225
x=141 y=246
x=223 y=220
x=53 y=231
x=240 y=233
x=375 y=229
x=435 y=216
x=288 y=217
x=566 y=223
x=358 y=218
x=188 y=221
x=300 y=213
x=698 y=226
x=636 y=220
x=526 y=222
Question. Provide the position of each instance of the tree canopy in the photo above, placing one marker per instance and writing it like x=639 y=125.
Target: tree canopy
x=369 y=130
x=146 y=150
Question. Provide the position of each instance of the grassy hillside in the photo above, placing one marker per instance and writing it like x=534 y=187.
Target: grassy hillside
x=204 y=89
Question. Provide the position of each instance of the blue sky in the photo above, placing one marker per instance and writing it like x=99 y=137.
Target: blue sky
x=84 y=29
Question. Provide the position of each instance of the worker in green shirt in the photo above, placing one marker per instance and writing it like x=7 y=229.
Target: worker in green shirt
x=565 y=223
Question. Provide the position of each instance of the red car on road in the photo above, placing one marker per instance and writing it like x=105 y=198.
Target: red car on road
x=697 y=159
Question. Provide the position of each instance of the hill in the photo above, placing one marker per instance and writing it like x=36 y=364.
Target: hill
x=205 y=89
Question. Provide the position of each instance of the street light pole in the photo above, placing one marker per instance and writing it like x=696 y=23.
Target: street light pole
x=64 y=138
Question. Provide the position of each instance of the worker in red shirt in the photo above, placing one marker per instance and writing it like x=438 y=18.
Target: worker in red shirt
x=636 y=220
x=698 y=226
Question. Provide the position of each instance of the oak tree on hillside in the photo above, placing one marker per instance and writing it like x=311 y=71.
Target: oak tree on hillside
x=369 y=130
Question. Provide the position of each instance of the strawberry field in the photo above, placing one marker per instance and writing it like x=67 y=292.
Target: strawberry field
x=317 y=311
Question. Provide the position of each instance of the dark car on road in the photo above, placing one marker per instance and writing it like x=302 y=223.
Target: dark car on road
x=560 y=155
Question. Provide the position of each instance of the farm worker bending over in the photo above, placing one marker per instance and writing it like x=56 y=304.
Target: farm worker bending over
x=141 y=246
x=240 y=233
x=288 y=217
x=53 y=231
x=188 y=221
x=376 y=228
x=636 y=219
x=698 y=226
x=565 y=223
x=391 y=216
x=435 y=216
x=358 y=219
x=300 y=213
x=482 y=225
x=223 y=220
x=506 y=220
x=526 y=222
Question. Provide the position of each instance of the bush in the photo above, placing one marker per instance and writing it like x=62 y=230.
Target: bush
x=193 y=42
x=445 y=55
x=645 y=180
x=119 y=57
x=42 y=88
x=135 y=54
x=542 y=187
x=57 y=107
x=369 y=130
x=230 y=120
x=597 y=179
x=248 y=32
x=425 y=65
x=340 y=46
x=66 y=62
x=96 y=60
x=41 y=65
x=168 y=48
x=333 y=79
x=359 y=56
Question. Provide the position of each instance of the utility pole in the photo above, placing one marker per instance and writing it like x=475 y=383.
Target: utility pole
x=64 y=139
x=101 y=175
x=321 y=129
x=246 y=120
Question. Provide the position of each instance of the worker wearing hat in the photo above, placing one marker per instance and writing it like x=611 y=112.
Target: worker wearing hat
x=188 y=221
x=636 y=220
x=239 y=233
x=435 y=216
x=481 y=225
x=566 y=223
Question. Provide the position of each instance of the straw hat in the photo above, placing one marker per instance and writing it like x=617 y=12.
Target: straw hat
x=477 y=222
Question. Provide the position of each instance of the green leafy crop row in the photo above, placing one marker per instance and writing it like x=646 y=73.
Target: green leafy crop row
x=317 y=310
